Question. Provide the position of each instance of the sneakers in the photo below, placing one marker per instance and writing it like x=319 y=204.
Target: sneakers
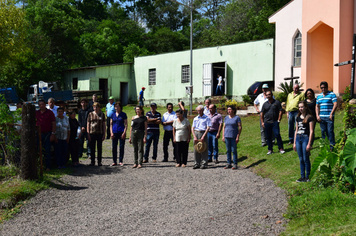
x=203 y=167
x=269 y=152
x=227 y=166
x=216 y=162
x=281 y=151
x=303 y=180
x=263 y=144
x=234 y=167
x=196 y=166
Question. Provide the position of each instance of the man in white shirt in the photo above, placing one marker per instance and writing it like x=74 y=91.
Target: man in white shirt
x=219 y=86
x=206 y=108
x=258 y=103
x=52 y=107
x=167 y=121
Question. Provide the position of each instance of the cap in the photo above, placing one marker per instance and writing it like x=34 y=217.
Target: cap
x=143 y=88
x=153 y=104
x=112 y=97
x=265 y=86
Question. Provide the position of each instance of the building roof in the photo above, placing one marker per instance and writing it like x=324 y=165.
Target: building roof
x=93 y=67
x=280 y=10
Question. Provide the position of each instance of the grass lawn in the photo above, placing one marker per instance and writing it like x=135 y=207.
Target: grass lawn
x=312 y=210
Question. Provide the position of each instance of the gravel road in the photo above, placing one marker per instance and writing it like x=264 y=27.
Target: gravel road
x=158 y=199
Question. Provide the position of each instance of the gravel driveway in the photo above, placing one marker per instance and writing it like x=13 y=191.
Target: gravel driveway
x=158 y=199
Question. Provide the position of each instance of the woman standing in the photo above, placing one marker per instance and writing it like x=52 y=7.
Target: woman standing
x=181 y=138
x=138 y=134
x=231 y=135
x=311 y=101
x=96 y=128
x=61 y=138
x=118 y=127
x=303 y=139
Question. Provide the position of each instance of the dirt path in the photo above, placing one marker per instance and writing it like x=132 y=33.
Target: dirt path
x=158 y=199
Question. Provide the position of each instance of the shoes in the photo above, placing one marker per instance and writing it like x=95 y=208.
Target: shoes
x=227 y=166
x=121 y=164
x=92 y=164
x=234 y=167
x=139 y=166
x=183 y=165
x=178 y=165
x=113 y=164
x=301 y=180
x=203 y=167
x=210 y=160
x=144 y=161
x=154 y=161
x=269 y=152
x=196 y=166
x=99 y=164
x=306 y=180
x=216 y=162
x=164 y=160
x=281 y=151
x=263 y=144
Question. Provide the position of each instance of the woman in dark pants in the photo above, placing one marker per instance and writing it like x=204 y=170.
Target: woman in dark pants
x=138 y=134
x=96 y=128
x=181 y=138
x=73 y=145
x=118 y=127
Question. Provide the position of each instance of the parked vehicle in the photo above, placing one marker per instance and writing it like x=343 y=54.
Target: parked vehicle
x=256 y=88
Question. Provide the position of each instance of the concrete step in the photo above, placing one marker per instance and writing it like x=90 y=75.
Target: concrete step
x=251 y=110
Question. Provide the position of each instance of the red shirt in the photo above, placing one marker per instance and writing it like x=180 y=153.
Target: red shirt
x=45 y=120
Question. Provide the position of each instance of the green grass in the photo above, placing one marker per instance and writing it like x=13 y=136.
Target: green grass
x=311 y=210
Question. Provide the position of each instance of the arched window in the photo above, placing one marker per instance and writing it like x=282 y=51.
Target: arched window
x=298 y=49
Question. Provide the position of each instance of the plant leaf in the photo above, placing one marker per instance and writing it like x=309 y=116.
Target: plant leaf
x=318 y=160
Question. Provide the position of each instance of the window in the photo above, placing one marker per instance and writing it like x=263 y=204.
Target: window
x=298 y=49
x=185 y=74
x=152 y=77
x=75 y=83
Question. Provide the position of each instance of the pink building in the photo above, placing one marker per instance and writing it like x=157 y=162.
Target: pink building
x=312 y=36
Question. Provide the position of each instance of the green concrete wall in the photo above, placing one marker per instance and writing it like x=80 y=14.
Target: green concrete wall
x=246 y=63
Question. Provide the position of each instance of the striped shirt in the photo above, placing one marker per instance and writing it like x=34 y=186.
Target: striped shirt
x=326 y=103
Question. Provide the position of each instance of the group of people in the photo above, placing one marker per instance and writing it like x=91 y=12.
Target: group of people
x=303 y=111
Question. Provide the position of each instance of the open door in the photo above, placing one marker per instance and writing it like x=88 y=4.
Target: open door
x=124 y=93
x=207 y=79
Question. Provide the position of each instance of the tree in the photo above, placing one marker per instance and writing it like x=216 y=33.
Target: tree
x=12 y=32
x=132 y=51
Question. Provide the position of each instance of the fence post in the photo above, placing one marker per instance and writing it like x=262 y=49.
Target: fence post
x=28 y=143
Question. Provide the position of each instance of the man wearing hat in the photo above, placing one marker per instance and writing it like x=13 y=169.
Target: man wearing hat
x=110 y=109
x=153 y=120
x=140 y=97
x=200 y=129
x=258 y=103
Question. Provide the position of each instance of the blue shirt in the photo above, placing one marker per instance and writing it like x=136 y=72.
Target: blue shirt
x=110 y=109
x=153 y=128
x=140 y=95
x=118 y=122
x=201 y=123
x=231 y=126
x=326 y=103
x=167 y=117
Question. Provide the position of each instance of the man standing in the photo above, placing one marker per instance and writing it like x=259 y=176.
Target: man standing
x=200 y=129
x=50 y=106
x=110 y=109
x=47 y=121
x=219 y=86
x=214 y=134
x=90 y=105
x=167 y=121
x=206 y=108
x=292 y=110
x=82 y=119
x=271 y=115
x=153 y=120
x=258 y=103
x=326 y=104
x=141 y=97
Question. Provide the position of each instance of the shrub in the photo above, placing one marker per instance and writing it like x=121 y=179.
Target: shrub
x=246 y=99
x=347 y=94
x=280 y=96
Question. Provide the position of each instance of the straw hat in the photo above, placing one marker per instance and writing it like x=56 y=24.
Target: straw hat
x=200 y=147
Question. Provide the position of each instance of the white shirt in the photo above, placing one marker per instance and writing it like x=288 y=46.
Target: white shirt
x=260 y=99
x=219 y=81
x=206 y=111
x=167 y=117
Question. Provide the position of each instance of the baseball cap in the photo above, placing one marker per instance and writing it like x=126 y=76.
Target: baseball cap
x=153 y=104
x=112 y=97
x=265 y=86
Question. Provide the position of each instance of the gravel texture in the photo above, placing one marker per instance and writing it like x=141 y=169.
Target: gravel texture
x=158 y=199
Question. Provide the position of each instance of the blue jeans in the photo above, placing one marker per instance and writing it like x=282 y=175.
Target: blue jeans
x=273 y=128
x=301 y=144
x=140 y=103
x=115 y=141
x=213 y=147
x=155 y=138
x=231 y=147
x=83 y=136
x=218 y=88
x=46 y=145
x=292 y=115
x=327 y=128
x=61 y=149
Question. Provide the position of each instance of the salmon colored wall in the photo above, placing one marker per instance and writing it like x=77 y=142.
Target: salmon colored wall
x=320 y=57
x=338 y=15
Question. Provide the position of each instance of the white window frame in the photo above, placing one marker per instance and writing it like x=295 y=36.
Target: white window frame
x=185 y=74
x=297 y=52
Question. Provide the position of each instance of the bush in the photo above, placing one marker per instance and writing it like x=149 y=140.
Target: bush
x=280 y=96
x=246 y=99
x=347 y=94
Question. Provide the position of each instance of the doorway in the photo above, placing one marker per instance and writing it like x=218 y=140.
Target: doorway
x=124 y=93
x=210 y=78
x=103 y=86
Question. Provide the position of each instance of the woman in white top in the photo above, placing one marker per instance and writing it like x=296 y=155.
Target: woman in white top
x=61 y=138
x=181 y=138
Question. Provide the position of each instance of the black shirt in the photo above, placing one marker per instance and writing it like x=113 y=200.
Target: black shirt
x=139 y=123
x=153 y=128
x=271 y=111
x=73 y=124
x=311 y=106
x=82 y=117
x=303 y=128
